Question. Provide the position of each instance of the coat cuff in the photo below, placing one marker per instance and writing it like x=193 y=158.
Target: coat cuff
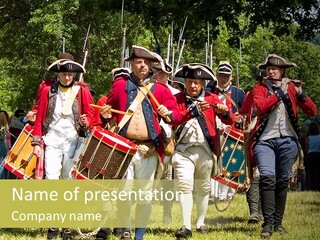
x=36 y=141
x=302 y=97
x=104 y=120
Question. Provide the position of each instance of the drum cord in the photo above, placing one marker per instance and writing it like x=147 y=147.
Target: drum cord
x=102 y=223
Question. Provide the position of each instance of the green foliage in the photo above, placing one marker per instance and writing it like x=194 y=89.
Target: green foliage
x=31 y=35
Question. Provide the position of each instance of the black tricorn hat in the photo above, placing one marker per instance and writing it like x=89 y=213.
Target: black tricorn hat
x=163 y=66
x=195 y=71
x=120 y=72
x=141 y=52
x=65 y=65
x=275 y=60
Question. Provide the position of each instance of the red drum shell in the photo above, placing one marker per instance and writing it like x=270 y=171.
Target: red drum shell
x=106 y=155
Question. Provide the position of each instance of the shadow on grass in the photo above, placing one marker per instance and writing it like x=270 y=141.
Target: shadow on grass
x=225 y=220
x=168 y=231
x=31 y=232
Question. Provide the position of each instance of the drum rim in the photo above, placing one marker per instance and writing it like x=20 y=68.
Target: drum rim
x=133 y=147
x=233 y=133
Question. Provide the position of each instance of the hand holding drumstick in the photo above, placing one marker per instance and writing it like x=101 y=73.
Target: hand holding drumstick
x=106 y=110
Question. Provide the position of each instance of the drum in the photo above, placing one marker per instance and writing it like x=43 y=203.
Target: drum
x=234 y=169
x=20 y=160
x=106 y=155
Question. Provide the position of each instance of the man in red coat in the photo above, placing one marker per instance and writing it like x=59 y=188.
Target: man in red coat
x=275 y=145
x=63 y=112
x=31 y=115
x=142 y=126
x=197 y=144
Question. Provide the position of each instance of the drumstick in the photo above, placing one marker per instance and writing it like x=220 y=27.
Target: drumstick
x=150 y=94
x=111 y=110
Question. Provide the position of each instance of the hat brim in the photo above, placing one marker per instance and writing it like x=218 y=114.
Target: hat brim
x=268 y=64
x=63 y=65
x=277 y=61
x=162 y=66
x=120 y=72
x=195 y=71
x=141 y=52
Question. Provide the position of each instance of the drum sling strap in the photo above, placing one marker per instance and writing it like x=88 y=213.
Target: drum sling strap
x=229 y=98
x=133 y=107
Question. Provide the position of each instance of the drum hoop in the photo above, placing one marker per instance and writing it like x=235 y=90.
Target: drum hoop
x=227 y=182
x=233 y=133
x=108 y=141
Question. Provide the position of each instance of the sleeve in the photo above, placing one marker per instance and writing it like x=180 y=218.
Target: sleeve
x=227 y=118
x=263 y=102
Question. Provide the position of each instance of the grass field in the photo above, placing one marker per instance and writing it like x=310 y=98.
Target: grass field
x=302 y=220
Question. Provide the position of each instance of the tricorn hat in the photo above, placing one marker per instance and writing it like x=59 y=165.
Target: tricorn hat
x=195 y=71
x=141 y=52
x=275 y=60
x=120 y=72
x=224 y=68
x=163 y=66
x=66 y=55
x=65 y=65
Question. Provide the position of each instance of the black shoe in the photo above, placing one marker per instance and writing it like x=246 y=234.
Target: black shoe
x=280 y=229
x=53 y=233
x=202 y=229
x=266 y=231
x=117 y=232
x=126 y=236
x=66 y=234
x=254 y=218
x=183 y=233
x=103 y=233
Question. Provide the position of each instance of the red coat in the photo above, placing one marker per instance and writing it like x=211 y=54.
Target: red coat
x=117 y=99
x=43 y=84
x=247 y=110
x=210 y=116
x=84 y=101
x=264 y=101
x=96 y=115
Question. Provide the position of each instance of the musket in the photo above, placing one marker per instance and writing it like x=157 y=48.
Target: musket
x=63 y=44
x=123 y=48
x=180 y=53
x=168 y=48
x=180 y=38
x=85 y=50
x=237 y=77
x=181 y=32
x=158 y=48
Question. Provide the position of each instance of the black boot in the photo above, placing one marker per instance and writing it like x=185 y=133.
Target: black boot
x=280 y=204
x=103 y=233
x=52 y=233
x=267 y=186
x=253 y=199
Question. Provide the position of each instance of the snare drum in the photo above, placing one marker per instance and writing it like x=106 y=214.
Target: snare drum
x=233 y=172
x=106 y=155
x=20 y=160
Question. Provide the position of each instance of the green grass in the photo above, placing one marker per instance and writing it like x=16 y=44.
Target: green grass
x=302 y=220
